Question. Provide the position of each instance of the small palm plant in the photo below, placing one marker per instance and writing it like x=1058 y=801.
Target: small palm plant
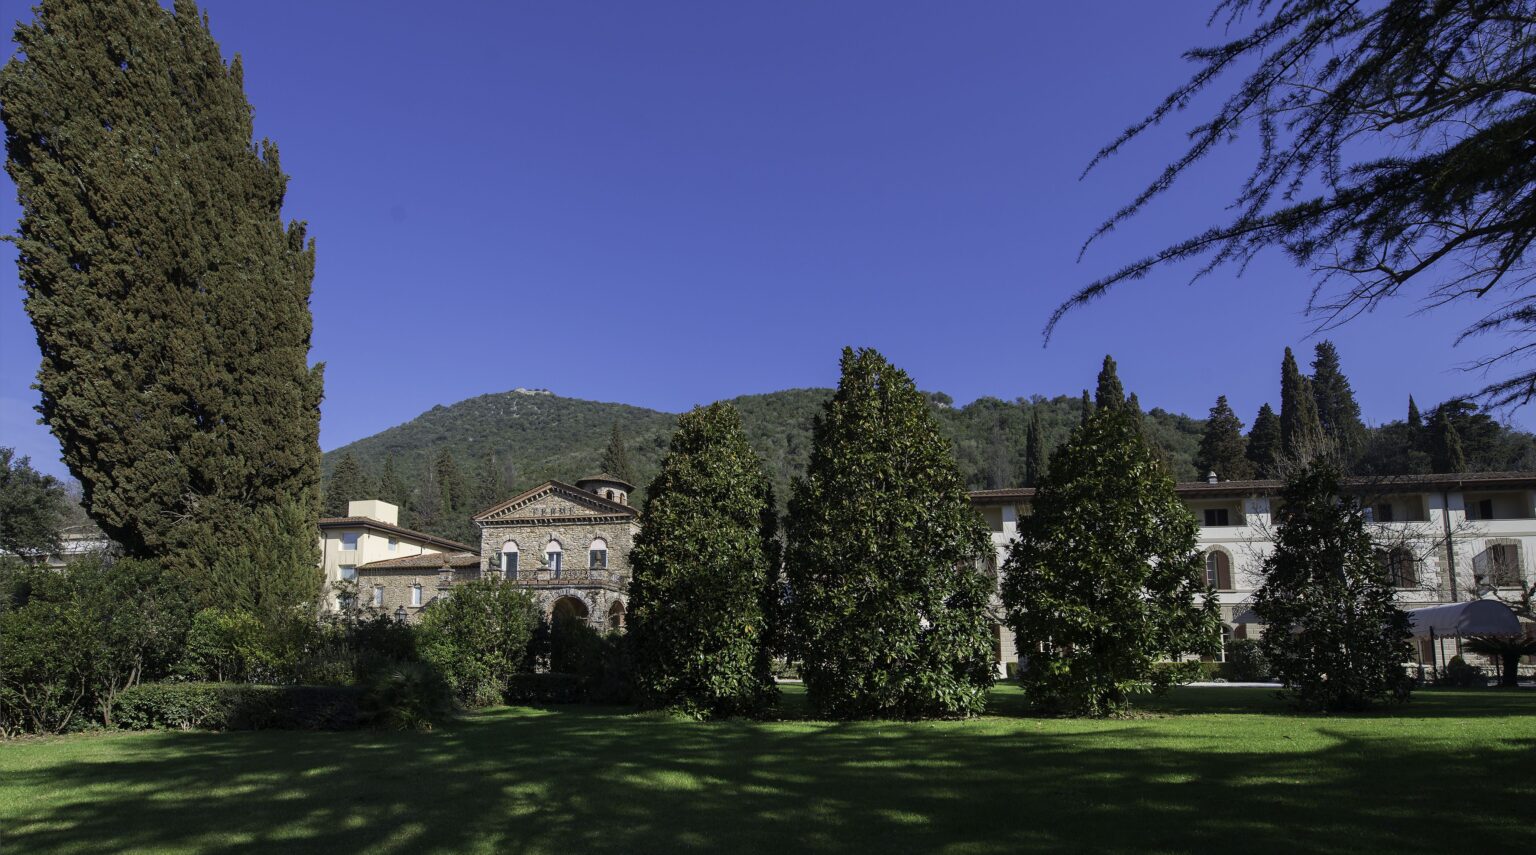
x=1509 y=649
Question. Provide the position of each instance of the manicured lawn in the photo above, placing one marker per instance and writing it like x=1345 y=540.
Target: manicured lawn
x=1213 y=769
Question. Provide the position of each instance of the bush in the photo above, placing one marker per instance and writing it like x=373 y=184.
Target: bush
x=407 y=696
x=1246 y=662
x=231 y=706
x=1462 y=675
x=548 y=688
x=478 y=638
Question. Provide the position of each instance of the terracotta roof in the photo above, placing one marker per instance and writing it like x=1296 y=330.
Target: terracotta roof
x=430 y=560
x=604 y=476
x=1383 y=484
x=370 y=522
x=586 y=495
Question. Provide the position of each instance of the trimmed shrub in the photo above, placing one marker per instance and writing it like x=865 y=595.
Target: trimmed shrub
x=406 y=696
x=1246 y=662
x=1460 y=674
x=233 y=706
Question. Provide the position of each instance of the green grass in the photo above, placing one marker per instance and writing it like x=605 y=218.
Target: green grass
x=1201 y=769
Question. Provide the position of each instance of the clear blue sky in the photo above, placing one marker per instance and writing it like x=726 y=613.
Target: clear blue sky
x=664 y=204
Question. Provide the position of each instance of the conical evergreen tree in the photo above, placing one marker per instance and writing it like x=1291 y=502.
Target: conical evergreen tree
x=1415 y=421
x=391 y=488
x=1034 y=450
x=1223 y=449
x=1337 y=411
x=454 y=499
x=1446 y=452
x=615 y=460
x=170 y=300
x=1347 y=638
x=884 y=558
x=348 y=483
x=1107 y=513
x=1110 y=392
x=702 y=575
x=1264 y=443
x=1301 y=433
x=1087 y=408
x=494 y=484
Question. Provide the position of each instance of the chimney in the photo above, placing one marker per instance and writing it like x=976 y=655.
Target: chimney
x=1210 y=477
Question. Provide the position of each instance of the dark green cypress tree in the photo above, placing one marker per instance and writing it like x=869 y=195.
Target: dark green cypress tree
x=698 y=619
x=348 y=483
x=453 y=499
x=392 y=488
x=1034 y=450
x=1337 y=411
x=494 y=484
x=1415 y=421
x=615 y=460
x=1086 y=410
x=1301 y=433
x=1222 y=448
x=170 y=300
x=1106 y=580
x=1110 y=393
x=884 y=558
x=1446 y=452
x=1336 y=638
x=1264 y=443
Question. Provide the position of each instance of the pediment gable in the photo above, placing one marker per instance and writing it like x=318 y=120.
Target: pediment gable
x=554 y=500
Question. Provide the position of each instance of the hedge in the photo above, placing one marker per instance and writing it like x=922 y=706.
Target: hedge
x=235 y=706
x=548 y=688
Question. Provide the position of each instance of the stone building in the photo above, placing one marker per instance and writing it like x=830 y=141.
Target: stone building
x=1442 y=539
x=367 y=555
x=567 y=544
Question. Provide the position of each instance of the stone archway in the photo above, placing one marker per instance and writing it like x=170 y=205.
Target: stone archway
x=616 y=616
x=568 y=609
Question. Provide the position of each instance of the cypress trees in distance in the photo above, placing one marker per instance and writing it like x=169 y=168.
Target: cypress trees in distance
x=615 y=460
x=1301 y=433
x=1110 y=392
x=1264 y=443
x=1445 y=449
x=705 y=574
x=1222 y=448
x=889 y=599
x=1034 y=450
x=348 y=483
x=1102 y=583
x=170 y=300
x=1338 y=413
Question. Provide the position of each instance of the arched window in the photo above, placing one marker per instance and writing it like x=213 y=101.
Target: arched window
x=616 y=617
x=1218 y=570
x=509 y=559
x=597 y=554
x=553 y=555
x=378 y=596
x=608 y=495
x=1403 y=569
x=416 y=594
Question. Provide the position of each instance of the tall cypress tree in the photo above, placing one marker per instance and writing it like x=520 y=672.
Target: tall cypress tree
x=1105 y=580
x=698 y=621
x=615 y=460
x=348 y=483
x=1034 y=450
x=170 y=300
x=1446 y=452
x=1264 y=443
x=1110 y=393
x=1415 y=421
x=884 y=556
x=1337 y=411
x=392 y=488
x=1087 y=408
x=1301 y=433
x=1222 y=448
x=494 y=484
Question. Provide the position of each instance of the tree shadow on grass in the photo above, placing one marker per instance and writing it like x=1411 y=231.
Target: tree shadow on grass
x=580 y=779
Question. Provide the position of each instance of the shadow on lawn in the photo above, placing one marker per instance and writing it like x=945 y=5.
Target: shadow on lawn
x=580 y=779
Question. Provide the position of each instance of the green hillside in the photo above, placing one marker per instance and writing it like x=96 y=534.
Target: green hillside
x=535 y=436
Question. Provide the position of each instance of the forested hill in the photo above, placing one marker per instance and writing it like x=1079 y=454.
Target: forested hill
x=535 y=435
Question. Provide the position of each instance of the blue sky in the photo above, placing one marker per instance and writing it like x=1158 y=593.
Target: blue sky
x=665 y=204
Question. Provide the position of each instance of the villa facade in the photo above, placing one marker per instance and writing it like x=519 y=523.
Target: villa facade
x=1443 y=539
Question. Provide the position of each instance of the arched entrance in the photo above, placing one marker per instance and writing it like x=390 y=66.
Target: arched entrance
x=568 y=609
x=616 y=616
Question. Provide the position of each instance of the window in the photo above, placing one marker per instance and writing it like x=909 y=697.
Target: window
x=378 y=596
x=394 y=544
x=597 y=554
x=416 y=595
x=608 y=495
x=348 y=602
x=1383 y=513
x=349 y=540
x=509 y=559
x=1216 y=516
x=1402 y=569
x=348 y=572
x=1480 y=510
x=553 y=555
x=1218 y=570
x=1504 y=564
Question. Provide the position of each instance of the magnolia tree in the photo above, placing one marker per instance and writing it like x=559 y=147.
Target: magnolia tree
x=1333 y=632
x=887 y=595
x=1105 y=587
x=703 y=582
